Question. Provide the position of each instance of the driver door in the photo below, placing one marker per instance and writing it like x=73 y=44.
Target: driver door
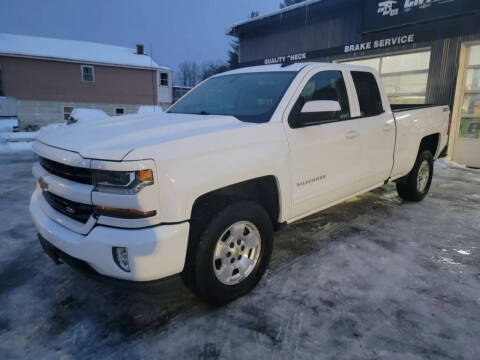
x=325 y=155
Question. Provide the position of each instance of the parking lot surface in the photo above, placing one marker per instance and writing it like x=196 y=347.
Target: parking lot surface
x=372 y=278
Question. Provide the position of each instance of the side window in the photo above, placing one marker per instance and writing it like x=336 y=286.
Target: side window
x=67 y=112
x=87 y=73
x=368 y=94
x=326 y=85
x=164 y=79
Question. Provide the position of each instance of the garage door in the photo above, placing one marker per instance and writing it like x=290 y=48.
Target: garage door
x=404 y=76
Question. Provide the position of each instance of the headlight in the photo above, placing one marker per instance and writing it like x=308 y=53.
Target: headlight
x=121 y=182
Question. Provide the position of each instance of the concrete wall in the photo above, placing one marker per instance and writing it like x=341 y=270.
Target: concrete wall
x=44 y=80
x=39 y=113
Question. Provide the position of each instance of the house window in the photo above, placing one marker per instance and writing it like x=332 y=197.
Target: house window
x=87 y=73
x=119 y=111
x=163 y=79
x=67 y=112
x=404 y=76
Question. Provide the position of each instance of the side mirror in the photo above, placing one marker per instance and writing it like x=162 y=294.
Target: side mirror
x=316 y=112
x=321 y=106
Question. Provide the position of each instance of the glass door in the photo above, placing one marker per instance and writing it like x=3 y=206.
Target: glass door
x=467 y=144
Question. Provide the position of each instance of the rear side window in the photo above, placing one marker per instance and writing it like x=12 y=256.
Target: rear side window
x=368 y=93
x=326 y=85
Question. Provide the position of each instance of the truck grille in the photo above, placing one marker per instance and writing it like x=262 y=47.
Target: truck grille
x=78 y=174
x=74 y=210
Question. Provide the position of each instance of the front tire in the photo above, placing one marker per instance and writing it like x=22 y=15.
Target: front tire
x=415 y=186
x=232 y=253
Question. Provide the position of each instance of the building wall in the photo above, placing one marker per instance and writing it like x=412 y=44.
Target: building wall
x=38 y=113
x=44 y=80
x=323 y=30
x=165 y=92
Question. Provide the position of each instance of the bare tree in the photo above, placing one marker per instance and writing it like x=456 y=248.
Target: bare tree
x=188 y=73
x=211 y=68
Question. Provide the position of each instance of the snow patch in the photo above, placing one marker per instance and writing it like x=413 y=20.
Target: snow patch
x=464 y=252
x=86 y=115
x=22 y=141
x=6 y=125
x=148 y=109
x=449 y=261
x=83 y=51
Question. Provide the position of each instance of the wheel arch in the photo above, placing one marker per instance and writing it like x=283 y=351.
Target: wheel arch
x=431 y=143
x=265 y=190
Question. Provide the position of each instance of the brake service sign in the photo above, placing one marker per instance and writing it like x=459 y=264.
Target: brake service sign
x=380 y=43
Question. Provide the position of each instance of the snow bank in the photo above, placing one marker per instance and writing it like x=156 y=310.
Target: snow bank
x=6 y=125
x=47 y=129
x=12 y=147
x=85 y=115
x=21 y=141
x=147 y=109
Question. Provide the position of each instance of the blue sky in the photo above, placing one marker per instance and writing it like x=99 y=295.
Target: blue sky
x=177 y=29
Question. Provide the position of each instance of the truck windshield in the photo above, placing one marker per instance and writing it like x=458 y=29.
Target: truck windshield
x=250 y=97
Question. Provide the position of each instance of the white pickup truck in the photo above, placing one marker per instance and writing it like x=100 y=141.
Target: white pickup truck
x=200 y=190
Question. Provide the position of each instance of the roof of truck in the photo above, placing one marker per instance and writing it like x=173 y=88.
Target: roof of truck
x=294 y=67
x=275 y=67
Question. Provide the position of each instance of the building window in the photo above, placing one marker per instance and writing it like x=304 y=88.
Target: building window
x=87 y=73
x=404 y=76
x=119 y=111
x=163 y=79
x=67 y=112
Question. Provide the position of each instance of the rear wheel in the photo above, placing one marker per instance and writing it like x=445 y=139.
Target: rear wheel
x=231 y=254
x=415 y=186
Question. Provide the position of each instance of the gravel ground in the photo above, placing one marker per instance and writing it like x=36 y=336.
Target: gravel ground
x=373 y=278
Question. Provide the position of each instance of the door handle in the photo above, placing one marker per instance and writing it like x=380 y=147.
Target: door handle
x=352 y=134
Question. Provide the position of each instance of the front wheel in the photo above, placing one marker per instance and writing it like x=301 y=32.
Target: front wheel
x=232 y=253
x=415 y=186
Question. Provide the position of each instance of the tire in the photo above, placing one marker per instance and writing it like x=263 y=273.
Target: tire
x=415 y=186
x=213 y=256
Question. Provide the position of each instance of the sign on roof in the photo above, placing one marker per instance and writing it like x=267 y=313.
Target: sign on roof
x=380 y=14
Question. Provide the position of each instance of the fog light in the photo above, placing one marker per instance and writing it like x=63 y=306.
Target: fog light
x=120 y=256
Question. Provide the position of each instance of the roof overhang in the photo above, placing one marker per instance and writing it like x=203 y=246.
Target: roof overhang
x=294 y=12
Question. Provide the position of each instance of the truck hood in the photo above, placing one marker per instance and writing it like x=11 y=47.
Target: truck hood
x=113 y=138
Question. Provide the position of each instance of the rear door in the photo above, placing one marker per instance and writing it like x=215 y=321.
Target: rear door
x=377 y=134
x=326 y=157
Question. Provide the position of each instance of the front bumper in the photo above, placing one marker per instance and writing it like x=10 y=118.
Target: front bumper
x=154 y=253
